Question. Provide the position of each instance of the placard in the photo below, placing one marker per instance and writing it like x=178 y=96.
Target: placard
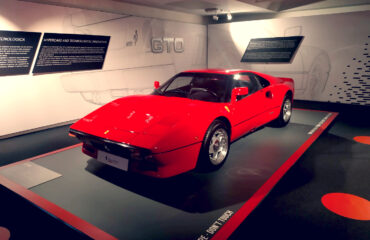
x=17 y=50
x=71 y=52
x=272 y=50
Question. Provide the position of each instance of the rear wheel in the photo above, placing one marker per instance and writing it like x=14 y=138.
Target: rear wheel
x=215 y=147
x=285 y=113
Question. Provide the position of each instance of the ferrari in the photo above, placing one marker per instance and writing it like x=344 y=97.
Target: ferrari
x=186 y=123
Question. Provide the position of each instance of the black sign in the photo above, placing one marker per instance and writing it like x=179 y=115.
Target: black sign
x=272 y=50
x=71 y=52
x=17 y=50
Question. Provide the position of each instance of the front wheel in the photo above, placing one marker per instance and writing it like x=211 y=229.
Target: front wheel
x=285 y=113
x=215 y=147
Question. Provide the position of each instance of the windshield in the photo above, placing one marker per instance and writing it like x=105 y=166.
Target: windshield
x=197 y=86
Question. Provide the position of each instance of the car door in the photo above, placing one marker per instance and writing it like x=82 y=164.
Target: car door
x=269 y=103
x=247 y=109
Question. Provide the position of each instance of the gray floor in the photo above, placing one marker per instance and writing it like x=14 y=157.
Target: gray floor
x=32 y=144
x=130 y=206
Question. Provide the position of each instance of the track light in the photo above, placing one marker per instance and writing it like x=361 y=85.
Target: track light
x=229 y=16
x=213 y=11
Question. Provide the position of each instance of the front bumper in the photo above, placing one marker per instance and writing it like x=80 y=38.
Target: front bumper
x=141 y=160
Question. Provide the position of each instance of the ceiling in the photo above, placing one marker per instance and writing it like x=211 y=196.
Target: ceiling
x=193 y=11
x=198 y=7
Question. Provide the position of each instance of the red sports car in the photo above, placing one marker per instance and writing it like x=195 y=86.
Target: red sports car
x=187 y=122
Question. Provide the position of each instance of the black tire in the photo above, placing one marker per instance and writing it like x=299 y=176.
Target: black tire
x=285 y=113
x=207 y=160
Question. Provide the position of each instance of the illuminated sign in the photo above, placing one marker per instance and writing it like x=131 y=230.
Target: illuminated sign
x=17 y=50
x=272 y=50
x=71 y=52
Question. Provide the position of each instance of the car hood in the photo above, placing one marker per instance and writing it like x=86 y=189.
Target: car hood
x=144 y=121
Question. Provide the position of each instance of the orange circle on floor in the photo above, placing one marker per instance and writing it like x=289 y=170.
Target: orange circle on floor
x=4 y=233
x=362 y=139
x=347 y=205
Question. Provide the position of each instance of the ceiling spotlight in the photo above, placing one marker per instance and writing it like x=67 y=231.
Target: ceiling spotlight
x=213 y=11
x=229 y=16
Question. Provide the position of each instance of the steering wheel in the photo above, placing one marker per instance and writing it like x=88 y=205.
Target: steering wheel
x=176 y=91
x=203 y=90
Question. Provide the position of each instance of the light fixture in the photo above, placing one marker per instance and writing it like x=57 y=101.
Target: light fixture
x=229 y=16
x=213 y=11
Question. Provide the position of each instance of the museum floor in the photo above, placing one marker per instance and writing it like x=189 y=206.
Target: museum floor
x=334 y=163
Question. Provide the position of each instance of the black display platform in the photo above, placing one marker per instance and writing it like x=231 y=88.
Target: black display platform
x=189 y=206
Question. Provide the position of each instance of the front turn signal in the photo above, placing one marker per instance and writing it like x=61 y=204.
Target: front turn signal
x=71 y=135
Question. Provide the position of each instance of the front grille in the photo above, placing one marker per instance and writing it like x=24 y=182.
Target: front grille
x=106 y=145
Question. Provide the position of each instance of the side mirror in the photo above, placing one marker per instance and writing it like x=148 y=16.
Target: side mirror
x=156 y=84
x=240 y=91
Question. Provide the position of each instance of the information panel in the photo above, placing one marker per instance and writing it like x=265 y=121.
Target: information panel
x=17 y=50
x=272 y=50
x=71 y=52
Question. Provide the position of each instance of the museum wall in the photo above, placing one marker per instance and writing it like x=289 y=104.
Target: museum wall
x=34 y=101
x=331 y=64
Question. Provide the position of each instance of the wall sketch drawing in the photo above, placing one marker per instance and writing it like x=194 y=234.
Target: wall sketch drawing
x=352 y=82
x=130 y=66
x=324 y=52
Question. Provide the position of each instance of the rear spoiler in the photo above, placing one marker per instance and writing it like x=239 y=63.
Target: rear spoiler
x=286 y=79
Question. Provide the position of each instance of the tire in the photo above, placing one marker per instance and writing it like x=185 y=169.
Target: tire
x=285 y=113
x=215 y=147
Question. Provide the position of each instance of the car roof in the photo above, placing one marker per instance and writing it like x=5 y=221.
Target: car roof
x=218 y=71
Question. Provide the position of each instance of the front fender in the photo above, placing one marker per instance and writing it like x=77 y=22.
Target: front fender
x=190 y=130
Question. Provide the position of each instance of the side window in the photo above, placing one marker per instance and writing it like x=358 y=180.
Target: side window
x=263 y=82
x=246 y=80
x=238 y=83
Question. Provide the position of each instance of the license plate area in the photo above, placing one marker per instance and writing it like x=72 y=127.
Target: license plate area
x=113 y=160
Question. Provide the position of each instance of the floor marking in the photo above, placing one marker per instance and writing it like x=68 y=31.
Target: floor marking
x=4 y=233
x=319 y=124
x=216 y=225
x=347 y=205
x=362 y=139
